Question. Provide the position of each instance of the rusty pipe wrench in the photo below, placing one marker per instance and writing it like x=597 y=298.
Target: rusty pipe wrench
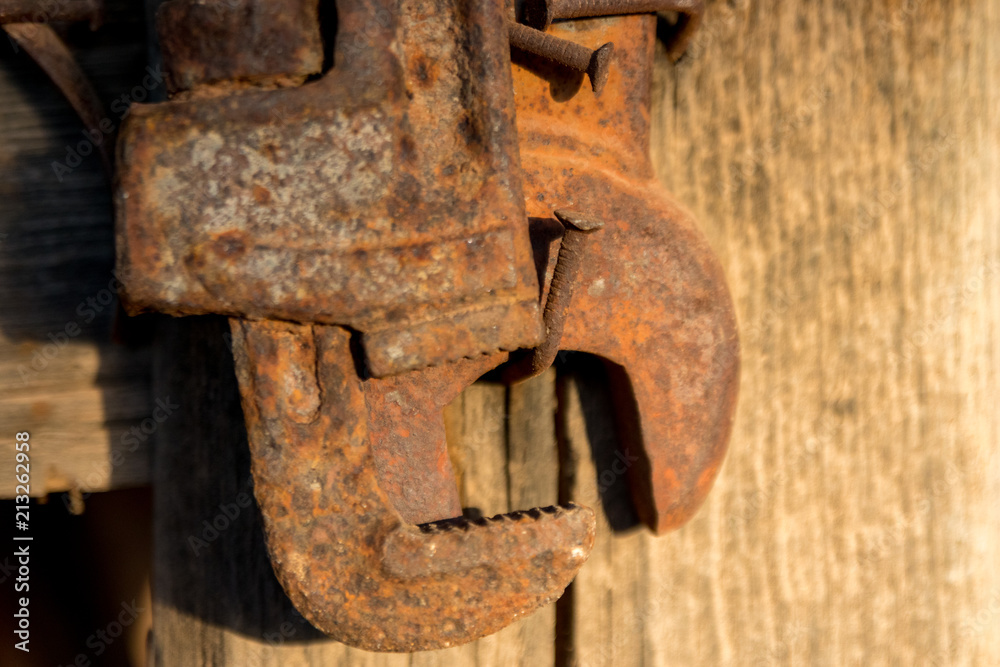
x=384 y=196
x=376 y=209
x=305 y=401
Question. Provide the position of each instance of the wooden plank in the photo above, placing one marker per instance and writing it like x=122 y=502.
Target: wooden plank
x=61 y=377
x=533 y=481
x=605 y=623
x=842 y=159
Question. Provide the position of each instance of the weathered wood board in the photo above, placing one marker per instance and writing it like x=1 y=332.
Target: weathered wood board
x=843 y=159
x=61 y=376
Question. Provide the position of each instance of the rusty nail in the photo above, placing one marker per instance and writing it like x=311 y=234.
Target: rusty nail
x=571 y=252
x=541 y=14
x=575 y=56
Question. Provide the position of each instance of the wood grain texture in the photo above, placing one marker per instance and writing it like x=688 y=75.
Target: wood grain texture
x=843 y=160
x=61 y=377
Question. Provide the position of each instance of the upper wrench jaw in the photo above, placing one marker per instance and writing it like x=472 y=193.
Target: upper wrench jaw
x=653 y=301
x=342 y=552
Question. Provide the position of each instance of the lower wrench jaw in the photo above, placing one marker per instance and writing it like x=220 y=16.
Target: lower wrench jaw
x=450 y=582
x=344 y=555
x=559 y=538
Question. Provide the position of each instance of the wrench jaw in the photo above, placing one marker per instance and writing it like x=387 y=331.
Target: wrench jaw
x=342 y=552
x=651 y=300
x=673 y=465
x=653 y=303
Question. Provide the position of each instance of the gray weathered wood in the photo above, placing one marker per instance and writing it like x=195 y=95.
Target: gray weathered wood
x=61 y=377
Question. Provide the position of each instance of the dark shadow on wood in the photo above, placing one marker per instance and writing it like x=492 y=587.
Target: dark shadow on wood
x=57 y=235
x=603 y=431
x=210 y=556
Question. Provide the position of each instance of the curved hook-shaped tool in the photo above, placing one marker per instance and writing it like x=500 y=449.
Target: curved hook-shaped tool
x=650 y=296
x=343 y=553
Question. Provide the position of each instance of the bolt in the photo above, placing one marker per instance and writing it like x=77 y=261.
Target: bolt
x=541 y=14
x=571 y=252
x=580 y=58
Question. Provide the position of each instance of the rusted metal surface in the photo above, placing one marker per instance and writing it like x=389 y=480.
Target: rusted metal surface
x=262 y=43
x=385 y=196
x=52 y=55
x=342 y=552
x=408 y=436
x=650 y=297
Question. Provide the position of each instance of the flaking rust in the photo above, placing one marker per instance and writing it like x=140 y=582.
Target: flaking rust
x=341 y=549
x=385 y=203
x=384 y=197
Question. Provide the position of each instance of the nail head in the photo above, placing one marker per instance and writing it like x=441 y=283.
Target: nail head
x=579 y=221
